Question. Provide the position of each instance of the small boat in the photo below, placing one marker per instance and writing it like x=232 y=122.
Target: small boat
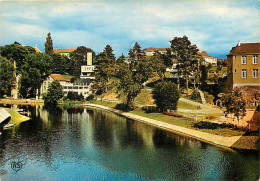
x=9 y=125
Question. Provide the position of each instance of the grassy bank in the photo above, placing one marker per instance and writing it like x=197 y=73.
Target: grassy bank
x=16 y=117
x=176 y=121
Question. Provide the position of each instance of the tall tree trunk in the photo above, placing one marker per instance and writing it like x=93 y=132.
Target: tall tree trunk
x=187 y=84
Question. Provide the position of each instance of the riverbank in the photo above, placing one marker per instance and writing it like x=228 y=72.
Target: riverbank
x=22 y=101
x=16 y=117
x=226 y=141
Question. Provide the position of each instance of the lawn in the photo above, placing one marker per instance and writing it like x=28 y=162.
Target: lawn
x=185 y=105
x=175 y=121
x=16 y=117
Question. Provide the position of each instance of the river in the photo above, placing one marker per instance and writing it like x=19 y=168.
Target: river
x=90 y=144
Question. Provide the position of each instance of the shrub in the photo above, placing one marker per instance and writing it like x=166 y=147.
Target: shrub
x=150 y=109
x=123 y=107
x=195 y=96
x=210 y=117
x=90 y=97
x=166 y=95
x=173 y=114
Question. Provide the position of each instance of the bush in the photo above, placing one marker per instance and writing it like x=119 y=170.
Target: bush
x=210 y=117
x=90 y=97
x=166 y=95
x=195 y=96
x=73 y=96
x=209 y=98
x=124 y=107
x=173 y=114
x=150 y=109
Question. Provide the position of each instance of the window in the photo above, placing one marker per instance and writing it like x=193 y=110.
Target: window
x=243 y=73
x=255 y=73
x=255 y=59
x=243 y=60
x=235 y=71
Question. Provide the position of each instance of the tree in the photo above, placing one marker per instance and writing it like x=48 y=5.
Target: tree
x=79 y=57
x=35 y=69
x=48 y=44
x=186 y=54
x=60 y=64
x=105 y=65
x=166 y=95
x=17 y=53
x=54 y=93
x=6 y=76
x=204 y=75
x=136 y=54
x=234 y=103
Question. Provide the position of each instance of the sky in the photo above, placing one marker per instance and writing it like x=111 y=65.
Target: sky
x=214 y=26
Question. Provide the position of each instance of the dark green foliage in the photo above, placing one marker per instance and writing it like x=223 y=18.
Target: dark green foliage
x=54 y=93
x=6 y=76
x=209 y=125
x=195 y=95
x=79 y=57
x=48 y=44
x=74 y=96
x=166 y=95
x=61 y=64
x=90 y=97
x=204 y=75
x=124 y=107
x=234 y=103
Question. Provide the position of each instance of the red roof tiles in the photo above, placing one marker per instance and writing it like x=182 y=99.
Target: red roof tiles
x=204 y=54
x=155 y=49
x=59 y=77
x=63 y=50
x=245 y=48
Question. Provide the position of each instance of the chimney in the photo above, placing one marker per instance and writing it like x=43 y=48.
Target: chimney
x=238 y=44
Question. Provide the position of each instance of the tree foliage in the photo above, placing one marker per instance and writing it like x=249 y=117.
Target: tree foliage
x=54 y=93
x=234 y=103
x=6 y=76
x=48 y=44
x=166 y=95
x=187 y=56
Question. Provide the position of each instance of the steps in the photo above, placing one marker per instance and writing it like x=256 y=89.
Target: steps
x=203 y=100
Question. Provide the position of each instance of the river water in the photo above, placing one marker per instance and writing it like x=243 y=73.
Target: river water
x=90 y=144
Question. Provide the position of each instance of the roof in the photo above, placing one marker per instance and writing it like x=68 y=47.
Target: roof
x=204 y=54
x=155 y=49
x=59 y=77
x=245 y=48
x=63 y=50
x=37 y=50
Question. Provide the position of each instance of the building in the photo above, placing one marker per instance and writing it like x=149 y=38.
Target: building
x=80 y=86
x=87 y=71
x=243 y=69
x=208 y=58
x=151 y=51
x=64 y=51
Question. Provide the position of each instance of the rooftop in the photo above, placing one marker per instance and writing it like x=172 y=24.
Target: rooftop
x=155 y=49
x=63 y=50
x=204 y=54
x=245 y=48
x=60 y=77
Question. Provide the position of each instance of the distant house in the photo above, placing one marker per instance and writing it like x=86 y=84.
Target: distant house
x=64 y=51
x=80 y=86
x=208 y=58
x=243 y=69
x=151 y=50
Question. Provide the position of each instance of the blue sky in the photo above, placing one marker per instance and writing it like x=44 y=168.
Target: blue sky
x=214 y=26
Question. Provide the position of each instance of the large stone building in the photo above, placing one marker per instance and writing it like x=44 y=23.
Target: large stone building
x=243 y=69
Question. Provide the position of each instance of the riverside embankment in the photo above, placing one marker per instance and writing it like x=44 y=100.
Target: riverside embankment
x=203 y=136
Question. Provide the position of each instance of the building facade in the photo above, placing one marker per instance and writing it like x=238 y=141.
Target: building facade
x=151 y=51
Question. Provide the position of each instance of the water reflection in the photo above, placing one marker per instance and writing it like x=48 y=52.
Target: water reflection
x=97 y=144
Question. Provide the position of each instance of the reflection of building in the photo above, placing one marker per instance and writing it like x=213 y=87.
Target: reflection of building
x=208 y=59
x=64 y=51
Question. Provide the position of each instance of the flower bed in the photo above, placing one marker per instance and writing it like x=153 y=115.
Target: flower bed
x=173 y=114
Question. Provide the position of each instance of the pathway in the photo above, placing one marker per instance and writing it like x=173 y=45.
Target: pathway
x=207 y=137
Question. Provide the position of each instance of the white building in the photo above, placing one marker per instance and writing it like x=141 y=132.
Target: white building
x=87 y=71
x=151 y=50
x=208 y=59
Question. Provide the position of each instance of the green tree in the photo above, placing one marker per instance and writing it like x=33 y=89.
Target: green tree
x=79 y=57
x=135 y=55
x=60 y=64
x=166 y=95
x=234 y=103
x=105 y=65
x=6 y=76
x=54 y=93
x=186 y=54
x=48 y=44
x=17 y=53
